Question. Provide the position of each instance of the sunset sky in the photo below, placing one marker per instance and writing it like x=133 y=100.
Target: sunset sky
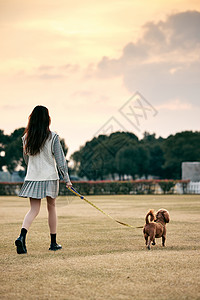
x=85 y=59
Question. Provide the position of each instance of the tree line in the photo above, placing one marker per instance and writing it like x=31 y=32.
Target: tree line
x=120 y=153
x=123 y=153
x=11 y=151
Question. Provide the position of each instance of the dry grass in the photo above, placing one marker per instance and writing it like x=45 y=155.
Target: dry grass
x=101 y=259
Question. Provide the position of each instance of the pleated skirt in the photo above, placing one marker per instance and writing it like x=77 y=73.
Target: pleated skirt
x=39 y=189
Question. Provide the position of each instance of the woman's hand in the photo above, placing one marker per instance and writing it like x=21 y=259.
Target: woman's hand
x=68 y=184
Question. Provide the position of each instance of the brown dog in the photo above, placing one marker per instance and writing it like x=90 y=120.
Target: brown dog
x=157 y=228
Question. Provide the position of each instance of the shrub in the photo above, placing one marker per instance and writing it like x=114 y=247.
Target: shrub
x=167 y=185
x=106 y=187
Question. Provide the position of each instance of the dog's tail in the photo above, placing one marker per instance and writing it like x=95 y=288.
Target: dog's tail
x=152 y=218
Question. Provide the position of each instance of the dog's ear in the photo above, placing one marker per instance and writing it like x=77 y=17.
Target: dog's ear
x=166 y=216
x=158 y=213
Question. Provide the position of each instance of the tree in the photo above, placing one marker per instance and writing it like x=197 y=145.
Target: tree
x=156 y=160
x=3 y=141
x=183 y=146
x=154 y=146
x=127 y=161
x=132 y=160
x=12 y=146
x=143 y=161
x=84 y=160
x=96 y=159
x=14 y=150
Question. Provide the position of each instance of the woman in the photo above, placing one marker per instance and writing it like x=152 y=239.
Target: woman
x=44 y=157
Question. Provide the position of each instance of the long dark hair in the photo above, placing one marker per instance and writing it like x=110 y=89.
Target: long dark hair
x=37 y=130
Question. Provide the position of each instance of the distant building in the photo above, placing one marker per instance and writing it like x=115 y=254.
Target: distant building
x=8 y=177
x=5 y=176
x=191 y=171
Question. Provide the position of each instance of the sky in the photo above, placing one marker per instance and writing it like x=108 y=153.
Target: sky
x=101 y=66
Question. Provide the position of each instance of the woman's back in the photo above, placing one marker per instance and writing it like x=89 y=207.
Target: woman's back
x=42 y=166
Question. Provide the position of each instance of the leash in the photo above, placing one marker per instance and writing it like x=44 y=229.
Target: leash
x=72 y=189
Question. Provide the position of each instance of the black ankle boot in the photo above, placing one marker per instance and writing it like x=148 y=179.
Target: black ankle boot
x=55 y=246
x=21 y=245
x=21 y=242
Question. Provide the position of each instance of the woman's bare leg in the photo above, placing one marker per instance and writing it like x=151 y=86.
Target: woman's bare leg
x=28 y=219
x=32 y=213
x=52 y=217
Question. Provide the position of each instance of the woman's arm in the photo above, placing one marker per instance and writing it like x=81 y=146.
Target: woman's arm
x=60 y=160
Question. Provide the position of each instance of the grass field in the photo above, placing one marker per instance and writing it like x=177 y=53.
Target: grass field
x=101 y=259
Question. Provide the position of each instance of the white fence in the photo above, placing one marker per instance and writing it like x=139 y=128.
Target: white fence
x=193 y=187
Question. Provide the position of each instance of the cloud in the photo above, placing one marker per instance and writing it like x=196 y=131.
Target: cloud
x=179 y=34
x=48 y=72
x=45 y=68
x=83 y=93
x=183 y=29
x=46 y=76
x=164 y=63
x=65 y=68
x=174 y=105
x=11 y=107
